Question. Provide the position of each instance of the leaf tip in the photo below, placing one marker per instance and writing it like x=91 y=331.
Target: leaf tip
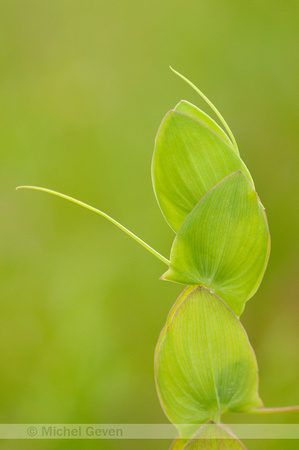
x=166 y=276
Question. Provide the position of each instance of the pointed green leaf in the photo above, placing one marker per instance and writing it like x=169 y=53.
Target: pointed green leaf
x=212 y=436
x=204 y=365
x=192 y=110
x=189 y=159
x=224 y=243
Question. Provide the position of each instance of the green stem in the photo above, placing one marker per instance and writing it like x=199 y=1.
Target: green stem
x=217 y=417
x=211 y=105
x=101 y=213
x=273 y=410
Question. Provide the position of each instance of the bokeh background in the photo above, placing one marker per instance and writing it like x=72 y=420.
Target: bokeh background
x=83 y=88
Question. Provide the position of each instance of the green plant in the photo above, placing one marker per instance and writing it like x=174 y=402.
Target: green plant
x=204 y=363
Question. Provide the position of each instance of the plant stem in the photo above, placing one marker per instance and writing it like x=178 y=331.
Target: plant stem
x=217 y=417
x=101 y=213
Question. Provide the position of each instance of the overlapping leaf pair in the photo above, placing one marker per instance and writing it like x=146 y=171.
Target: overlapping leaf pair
x=204 y=363
x=207 y=196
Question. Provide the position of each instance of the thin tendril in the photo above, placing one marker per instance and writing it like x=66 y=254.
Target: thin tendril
x=277 y=410
x=212 y=106
x=101 y=213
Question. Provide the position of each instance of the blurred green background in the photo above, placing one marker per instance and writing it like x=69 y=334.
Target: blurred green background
x=83 y=88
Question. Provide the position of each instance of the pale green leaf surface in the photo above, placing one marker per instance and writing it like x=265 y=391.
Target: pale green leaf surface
x=194 y=111
x=189 y=159
x=183 y=295
x=212 y=436
x=224 y=243
x=205 y=364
